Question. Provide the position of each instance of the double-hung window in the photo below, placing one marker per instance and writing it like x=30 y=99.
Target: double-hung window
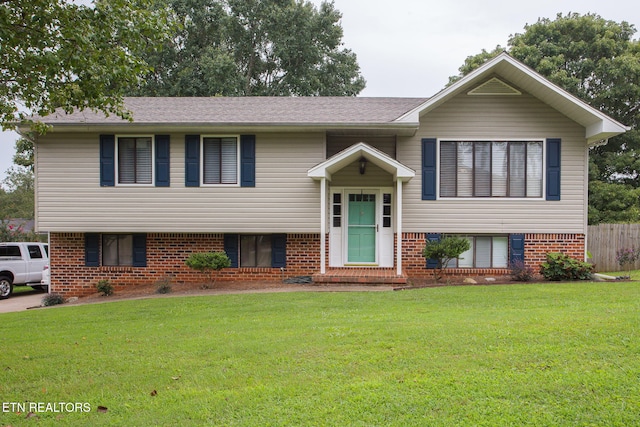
x=135 y=160
x=491 y=169
x=220 y=160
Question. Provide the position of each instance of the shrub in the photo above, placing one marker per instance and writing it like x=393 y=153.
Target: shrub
x=52 y=299
x=628 y=257
x=105 y=287
x=444 y=250
x=560 y=266
x=521 y=272
x=208 y=262
x=163 y=286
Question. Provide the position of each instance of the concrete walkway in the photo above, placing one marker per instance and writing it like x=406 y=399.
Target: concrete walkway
x=21 y=301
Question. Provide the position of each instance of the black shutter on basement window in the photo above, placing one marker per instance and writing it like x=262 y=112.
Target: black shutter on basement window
x=433 y=237
x=231 y=242
x=279 y=250
x=92 y=250
x=139 y=250
x=516 y=248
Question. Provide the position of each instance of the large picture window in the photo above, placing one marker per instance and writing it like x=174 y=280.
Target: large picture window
x=220 y=160
x=135 y=160
x=491 y=169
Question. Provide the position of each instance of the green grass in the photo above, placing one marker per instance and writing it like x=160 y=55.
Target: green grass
x=537 y=355
x=635 y=274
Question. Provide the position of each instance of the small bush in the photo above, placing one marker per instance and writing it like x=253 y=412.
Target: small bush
x=163 y=286
x=521 y=272
x=560 y=266
x=445 y=250
x=208 y=262
x=105 y=287
x=52 y=299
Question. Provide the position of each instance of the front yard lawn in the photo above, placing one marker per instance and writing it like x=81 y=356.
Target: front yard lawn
x=538 y=355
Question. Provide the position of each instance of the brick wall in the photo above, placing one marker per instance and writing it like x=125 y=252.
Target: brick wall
x=536 y=247
x=166 y=254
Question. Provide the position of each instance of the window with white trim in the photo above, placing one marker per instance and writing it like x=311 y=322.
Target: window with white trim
x=491 y=169
x=220 y=160
x=485 y=252
x=135 y=160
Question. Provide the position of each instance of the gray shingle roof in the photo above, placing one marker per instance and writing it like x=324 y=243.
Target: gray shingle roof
x=251 y=110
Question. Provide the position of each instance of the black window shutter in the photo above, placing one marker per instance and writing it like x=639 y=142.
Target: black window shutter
x=429 y=168
x=162 y=161
x=553 y=168
x=192 y=160
x=139 y=250
x=107 y=160
x=92 y=250
x=433 y=237
x=231 y=248
x=279 y=250
x=516 y=248
x=247 y=160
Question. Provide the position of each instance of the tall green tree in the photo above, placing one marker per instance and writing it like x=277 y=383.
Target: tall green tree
x=598 y=61
x=254 y=47
x=58 y=54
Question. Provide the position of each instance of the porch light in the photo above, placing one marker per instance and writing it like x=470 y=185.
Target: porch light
x=363 y=165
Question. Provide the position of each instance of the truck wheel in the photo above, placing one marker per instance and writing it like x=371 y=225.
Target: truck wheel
x=6 y=287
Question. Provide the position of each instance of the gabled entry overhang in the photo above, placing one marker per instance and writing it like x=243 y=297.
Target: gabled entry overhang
x=356 y=152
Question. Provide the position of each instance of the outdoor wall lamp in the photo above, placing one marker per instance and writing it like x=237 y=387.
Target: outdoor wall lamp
x=363 y=165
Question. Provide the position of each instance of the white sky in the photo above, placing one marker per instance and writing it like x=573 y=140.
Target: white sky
x=410 y=48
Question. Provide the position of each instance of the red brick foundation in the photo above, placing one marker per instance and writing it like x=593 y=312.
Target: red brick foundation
x=166 y=254
x=536 y=247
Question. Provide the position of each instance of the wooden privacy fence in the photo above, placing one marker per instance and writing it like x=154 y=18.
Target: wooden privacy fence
x=604 y=240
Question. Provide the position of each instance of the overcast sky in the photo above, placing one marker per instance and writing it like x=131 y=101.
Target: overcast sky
x=410 y=48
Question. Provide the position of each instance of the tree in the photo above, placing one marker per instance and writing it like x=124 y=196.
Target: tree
x=598 y=61
x=254 y=47
x=16 y=200
x=57 y=54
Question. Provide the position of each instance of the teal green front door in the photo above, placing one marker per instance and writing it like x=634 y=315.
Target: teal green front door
x=362 y=228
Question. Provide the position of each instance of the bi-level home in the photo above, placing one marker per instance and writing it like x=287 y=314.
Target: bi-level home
x=336 y=188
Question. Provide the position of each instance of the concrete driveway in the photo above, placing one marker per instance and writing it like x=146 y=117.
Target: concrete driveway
x=21 y=301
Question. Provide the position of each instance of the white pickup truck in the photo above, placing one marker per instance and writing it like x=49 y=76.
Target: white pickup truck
x=21 y=263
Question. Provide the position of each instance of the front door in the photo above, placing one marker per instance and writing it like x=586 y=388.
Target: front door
x=361 y=245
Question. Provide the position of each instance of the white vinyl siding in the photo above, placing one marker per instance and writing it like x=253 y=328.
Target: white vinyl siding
x=284 y=200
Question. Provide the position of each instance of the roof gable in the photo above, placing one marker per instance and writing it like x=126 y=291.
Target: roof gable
x=599 y=127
